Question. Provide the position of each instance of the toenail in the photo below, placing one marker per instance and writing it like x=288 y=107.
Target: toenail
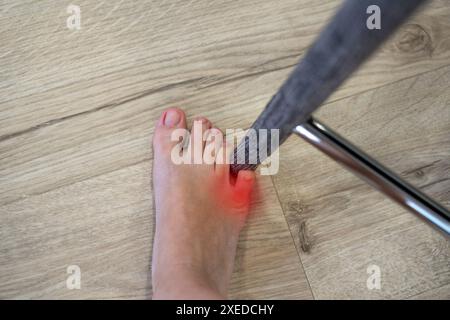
x=213 y=133
x=203 y=120
x=247 y=176
x=172 y=118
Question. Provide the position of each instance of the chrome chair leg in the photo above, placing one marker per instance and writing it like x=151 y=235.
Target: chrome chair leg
x=352 y=158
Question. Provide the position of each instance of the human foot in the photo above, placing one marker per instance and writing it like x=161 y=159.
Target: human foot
x=199 y=212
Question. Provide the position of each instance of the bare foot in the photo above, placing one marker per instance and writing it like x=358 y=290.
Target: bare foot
x=199 y=214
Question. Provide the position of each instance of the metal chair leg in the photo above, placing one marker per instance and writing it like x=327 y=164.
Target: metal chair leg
x=352 y=158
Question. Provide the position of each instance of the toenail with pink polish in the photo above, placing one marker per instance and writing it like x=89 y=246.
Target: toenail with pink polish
x=172 y=118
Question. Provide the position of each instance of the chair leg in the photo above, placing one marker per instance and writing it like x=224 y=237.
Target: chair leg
x=383 y=179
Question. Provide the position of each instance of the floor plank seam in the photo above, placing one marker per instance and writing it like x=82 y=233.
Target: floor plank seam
x=430 y=289
x=75 y=182
x=293 y=239
x=250 y=75
x=148 y=92
x=111 y=105
x=383 y=85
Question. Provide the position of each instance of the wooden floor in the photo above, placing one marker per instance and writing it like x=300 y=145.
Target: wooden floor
x=77 y=110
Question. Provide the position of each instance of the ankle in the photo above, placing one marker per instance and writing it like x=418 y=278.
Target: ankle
x=185 y=282
x=185 y=286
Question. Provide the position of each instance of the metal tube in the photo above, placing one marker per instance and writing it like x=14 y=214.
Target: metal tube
x=374 y=173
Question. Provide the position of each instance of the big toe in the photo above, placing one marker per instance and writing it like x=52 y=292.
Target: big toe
x=170 y=131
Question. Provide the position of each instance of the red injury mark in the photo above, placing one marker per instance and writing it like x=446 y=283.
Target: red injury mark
x=236 y=194
x=241 y=191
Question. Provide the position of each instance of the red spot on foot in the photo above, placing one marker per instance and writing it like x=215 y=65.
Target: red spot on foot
x=242 y=193
x=236 y=194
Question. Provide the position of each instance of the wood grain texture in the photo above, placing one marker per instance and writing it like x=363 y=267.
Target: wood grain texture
x=76 y=118
x=105 y=226
x=442 y=293
x=341 y=225
x=126 y=51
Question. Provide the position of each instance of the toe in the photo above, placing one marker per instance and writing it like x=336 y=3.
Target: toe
x=243 y=187
x=170 y=131
x=214 y=141
x=222 y=165
x=198 y=134
x=172 y=118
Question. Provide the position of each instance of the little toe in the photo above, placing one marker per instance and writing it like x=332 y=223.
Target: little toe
x=243 y=187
